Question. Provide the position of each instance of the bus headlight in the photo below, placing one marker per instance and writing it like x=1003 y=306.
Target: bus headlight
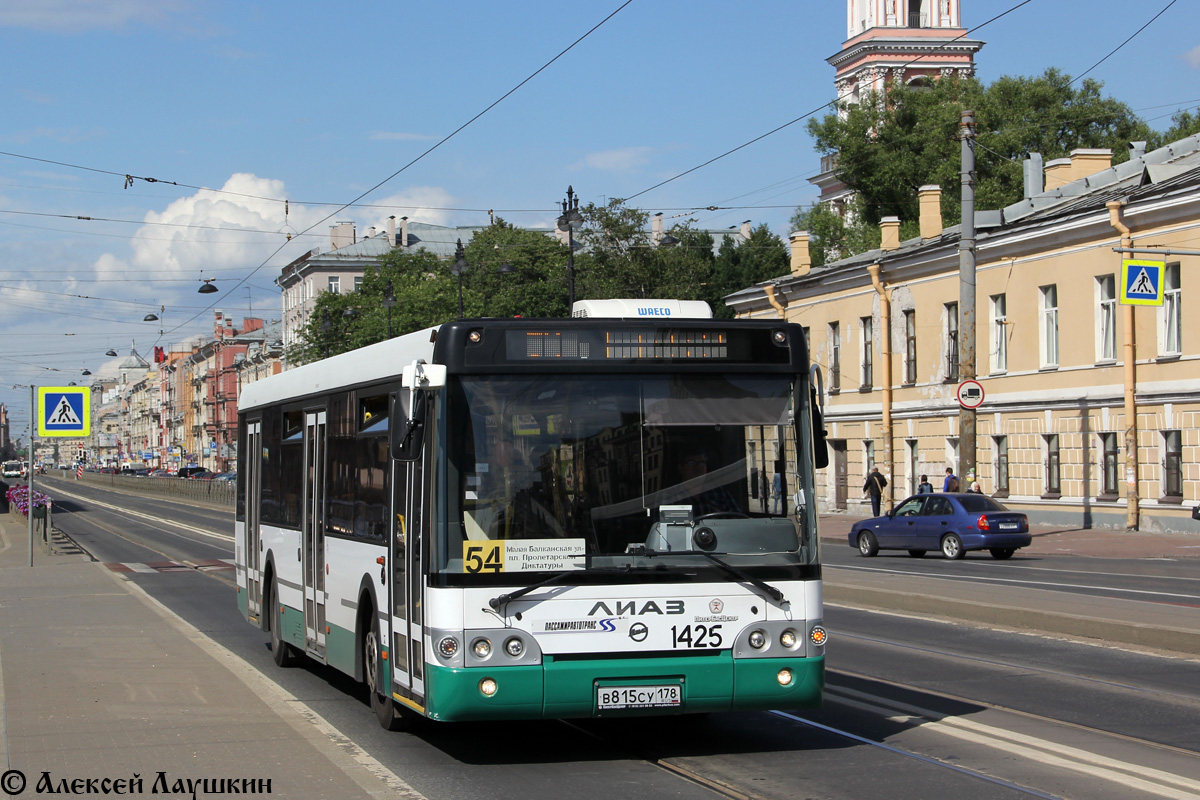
x=514 y=647
x=482 y=648
x=758 y=640
x=487 y=687
x=448 y=646
x=788 y=639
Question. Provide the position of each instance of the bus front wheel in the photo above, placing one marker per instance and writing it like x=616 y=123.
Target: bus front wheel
x=284 y=654
x=390 y=717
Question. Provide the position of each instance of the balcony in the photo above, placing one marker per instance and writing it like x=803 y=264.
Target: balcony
x=916 y=19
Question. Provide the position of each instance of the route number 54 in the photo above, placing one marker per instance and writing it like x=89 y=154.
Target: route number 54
x=483 y=557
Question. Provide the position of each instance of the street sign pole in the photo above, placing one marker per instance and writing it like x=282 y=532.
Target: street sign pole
x=33 y=422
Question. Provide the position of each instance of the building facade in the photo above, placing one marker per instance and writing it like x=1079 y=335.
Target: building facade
x=1071 y=377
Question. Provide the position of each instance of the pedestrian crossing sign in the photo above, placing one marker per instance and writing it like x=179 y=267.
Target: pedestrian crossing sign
x=1141 y=282
x=64 y=411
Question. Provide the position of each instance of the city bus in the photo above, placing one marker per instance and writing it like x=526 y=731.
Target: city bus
x=543 y=518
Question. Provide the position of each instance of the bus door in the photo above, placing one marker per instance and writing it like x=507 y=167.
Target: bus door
x=408 y=521
x=313 y=532
x=253 y=543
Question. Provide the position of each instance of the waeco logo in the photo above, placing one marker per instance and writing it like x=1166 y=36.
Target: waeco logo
x=630 y=608
x=653 y=311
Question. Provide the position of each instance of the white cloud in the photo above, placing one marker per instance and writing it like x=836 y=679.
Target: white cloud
x=72 y=16
x=1192 y=57
x=418 y=203
x=210 y=232
x=619 y=160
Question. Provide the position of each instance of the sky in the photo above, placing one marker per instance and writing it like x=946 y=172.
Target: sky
x=221 y=111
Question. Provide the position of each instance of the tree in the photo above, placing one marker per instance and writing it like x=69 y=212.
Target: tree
x=887 y=148
x=738 y=265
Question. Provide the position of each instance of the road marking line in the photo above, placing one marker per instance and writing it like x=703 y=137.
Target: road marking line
x=224 y=537
x=1046 y=752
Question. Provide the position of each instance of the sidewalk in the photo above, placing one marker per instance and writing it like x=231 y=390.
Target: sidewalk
x=1170 y=627
x=99 y=682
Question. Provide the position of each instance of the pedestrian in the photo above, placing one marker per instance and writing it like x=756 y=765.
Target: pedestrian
x=950 y=484
x=777 y=494
x=924 y=487
x=874 y=488
x=972 y=484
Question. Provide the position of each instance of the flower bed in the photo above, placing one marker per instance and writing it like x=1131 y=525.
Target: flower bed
x=18 y=500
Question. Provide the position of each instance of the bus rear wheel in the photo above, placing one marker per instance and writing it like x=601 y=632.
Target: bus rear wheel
x=390 y=717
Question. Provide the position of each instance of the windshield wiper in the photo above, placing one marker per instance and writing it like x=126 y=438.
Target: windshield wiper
x=736 y=572
x=508 y=597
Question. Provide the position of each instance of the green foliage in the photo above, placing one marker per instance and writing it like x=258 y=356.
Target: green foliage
x=1183 y=124
x=887 y=150
x=831 y=237
x=515 y=272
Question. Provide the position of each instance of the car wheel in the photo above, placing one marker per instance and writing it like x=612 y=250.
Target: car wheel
x=389 y=715
x=1002 y=553
x=867 y=544
x=952 y=546
x=917 y=553
x=284 y=654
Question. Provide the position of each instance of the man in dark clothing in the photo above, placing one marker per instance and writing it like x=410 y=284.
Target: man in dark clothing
x=951 y=482
x=874 y=488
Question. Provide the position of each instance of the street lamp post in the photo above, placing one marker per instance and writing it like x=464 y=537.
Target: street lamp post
x=460 y=266
x=566 y=223
x=389 y=300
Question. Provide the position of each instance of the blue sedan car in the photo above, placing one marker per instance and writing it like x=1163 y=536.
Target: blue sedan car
x=953 y=523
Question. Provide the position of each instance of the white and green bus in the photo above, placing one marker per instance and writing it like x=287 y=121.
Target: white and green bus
x=543 y=518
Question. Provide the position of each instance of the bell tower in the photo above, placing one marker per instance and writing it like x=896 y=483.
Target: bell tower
x=913 y=41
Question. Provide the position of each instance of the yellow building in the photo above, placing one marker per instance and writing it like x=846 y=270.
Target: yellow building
x=1053 y=346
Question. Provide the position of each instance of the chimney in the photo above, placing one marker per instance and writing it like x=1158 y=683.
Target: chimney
x=391 y=230
x=1033 y=175
x=1137 y=150
x=371 y=232
x=403 y=232
x=341 y=235
x=801 y=260
x=656 y=228
x=929 y=199
x=218 y=324
x=745 y=230
x=1084 y=162
x=890 y=228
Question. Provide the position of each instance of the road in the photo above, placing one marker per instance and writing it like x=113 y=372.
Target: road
x=914 y=709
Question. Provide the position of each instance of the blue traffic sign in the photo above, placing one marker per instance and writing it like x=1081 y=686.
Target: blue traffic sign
x=64 y=411
x=1141 y=282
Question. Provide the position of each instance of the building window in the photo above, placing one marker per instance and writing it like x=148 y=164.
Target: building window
x=358 y=279
x=1048 y=331
x=999 y=304
x=952 y=342
x=868 y=354
x=1111 y=465
x=335 y=284
x=1000 y=443
x=1053 y=484
x=868 y=457
x=1172 y=465
x=910 y=346
x=1171 y=322
x=1106 y=318
x=835 y=357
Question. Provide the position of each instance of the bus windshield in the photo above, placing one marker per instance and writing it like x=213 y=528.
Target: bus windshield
x=600 y=471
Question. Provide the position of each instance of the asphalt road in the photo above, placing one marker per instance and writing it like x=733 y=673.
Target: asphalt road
x=915 y=708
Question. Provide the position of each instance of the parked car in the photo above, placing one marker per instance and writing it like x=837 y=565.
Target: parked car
x=951 y=522
x=225 y=476
x=192 y=472
x=160 y=473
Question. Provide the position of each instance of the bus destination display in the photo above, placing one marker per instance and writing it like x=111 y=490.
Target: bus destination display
x=617 y=344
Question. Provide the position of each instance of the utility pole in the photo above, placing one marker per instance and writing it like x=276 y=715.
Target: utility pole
x=966 y=295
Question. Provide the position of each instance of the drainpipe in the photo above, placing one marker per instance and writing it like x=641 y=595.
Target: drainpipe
x=769 y=289
x=885 y=356
x=1129 y=351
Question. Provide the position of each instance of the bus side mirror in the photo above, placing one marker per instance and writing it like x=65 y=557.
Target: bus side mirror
x=816 y=386
x=408 y=430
